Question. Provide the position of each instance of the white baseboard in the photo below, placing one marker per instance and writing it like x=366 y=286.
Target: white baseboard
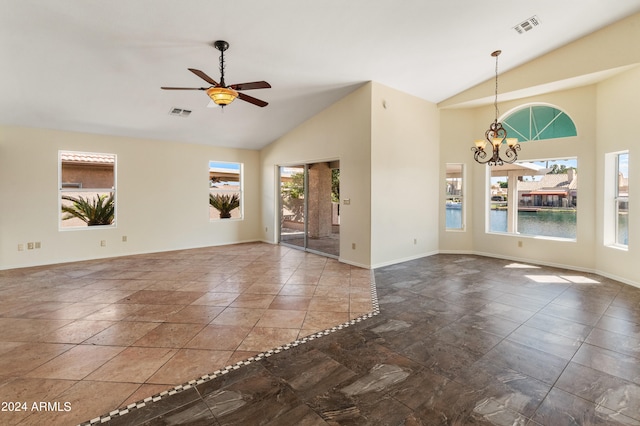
x=405 y=259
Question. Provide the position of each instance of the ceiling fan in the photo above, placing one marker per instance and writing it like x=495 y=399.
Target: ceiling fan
x=220 y=93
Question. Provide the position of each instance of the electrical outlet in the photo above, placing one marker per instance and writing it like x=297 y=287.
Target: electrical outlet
x=353 y=246
x=124 y=238
x=38 y=244
x=20 y=247
x=29 y=246
x=103 y=243
x=415 y=241
x=519 y=243
x=266 y=229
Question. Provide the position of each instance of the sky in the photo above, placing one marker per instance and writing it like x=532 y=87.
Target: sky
x=224 y=165
x=623 y=165
x=232 y=167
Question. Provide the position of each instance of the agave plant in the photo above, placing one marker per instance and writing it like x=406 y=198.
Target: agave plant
x=224 y=203
x=93 y=211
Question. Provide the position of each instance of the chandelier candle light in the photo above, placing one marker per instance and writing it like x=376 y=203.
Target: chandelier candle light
x=496 y=136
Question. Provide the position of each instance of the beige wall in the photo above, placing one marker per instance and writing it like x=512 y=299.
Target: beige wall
x=404 y=176
x=604 y=110
x=388 y=171
x=457 y=129
x=340 y=132
x=386 y=156
x=162 y=197
x=605 y=113
x=580 y=105
x=617 y=130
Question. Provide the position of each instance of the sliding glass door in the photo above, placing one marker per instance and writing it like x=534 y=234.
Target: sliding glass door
x=293 y=226
x=309 y=207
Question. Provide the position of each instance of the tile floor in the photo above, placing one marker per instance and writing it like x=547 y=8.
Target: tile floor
x=102 y=334
x=459 y=340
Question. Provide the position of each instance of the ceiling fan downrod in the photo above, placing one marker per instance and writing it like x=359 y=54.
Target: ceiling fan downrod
x=221 y=45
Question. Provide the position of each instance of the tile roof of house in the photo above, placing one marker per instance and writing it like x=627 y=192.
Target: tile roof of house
x=528 y=185
x=554 y=182
x=550 y=182
x=82 y=157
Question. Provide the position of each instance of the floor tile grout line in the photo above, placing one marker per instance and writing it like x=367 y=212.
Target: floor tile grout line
x=227 y=369
x=609 y=293
x=581 y=343
x=260 y=356
x=573 y=393
x=551 y=386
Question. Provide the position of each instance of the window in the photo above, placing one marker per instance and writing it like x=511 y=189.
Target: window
x=537 y=198
x=454 y=197
x=621 y=201
x=616 y=194
x=225 y=190
x=537 y=122
x=87 y=189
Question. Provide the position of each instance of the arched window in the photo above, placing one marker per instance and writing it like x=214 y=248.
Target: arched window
x=537 y=122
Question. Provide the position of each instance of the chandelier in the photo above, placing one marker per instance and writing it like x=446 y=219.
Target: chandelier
x=495 y=137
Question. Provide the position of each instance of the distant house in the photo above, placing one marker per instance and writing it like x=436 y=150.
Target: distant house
x=623 y=185
x=87 y=170
x=552 y=190
x=85 y=174
x=623 y=193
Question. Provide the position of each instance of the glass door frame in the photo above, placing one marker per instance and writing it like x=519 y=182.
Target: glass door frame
x=305 y=246
x=305 y=172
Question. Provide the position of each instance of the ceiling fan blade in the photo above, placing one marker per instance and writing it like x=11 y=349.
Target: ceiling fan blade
x=252 y=100
x=203 y=76
x=252 y=85
x=183 y=88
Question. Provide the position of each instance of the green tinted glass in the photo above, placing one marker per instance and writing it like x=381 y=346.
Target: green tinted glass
x=539 y=122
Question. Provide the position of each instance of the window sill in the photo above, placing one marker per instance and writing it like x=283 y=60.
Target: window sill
x=535 y=237
x=85 y=228
x=230 y=219
x=619 y=247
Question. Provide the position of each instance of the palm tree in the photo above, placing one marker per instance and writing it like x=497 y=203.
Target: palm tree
x=224 y=203
x=93 y=211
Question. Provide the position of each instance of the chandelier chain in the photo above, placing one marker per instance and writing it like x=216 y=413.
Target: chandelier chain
x=495 y=102
x=495 y=137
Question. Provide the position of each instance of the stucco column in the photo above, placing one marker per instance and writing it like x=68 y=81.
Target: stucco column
x=319 y=213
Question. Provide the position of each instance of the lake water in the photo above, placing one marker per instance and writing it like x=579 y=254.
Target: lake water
x=549 y=224
x=544 y=223
x=623 y=229
x=454 y=218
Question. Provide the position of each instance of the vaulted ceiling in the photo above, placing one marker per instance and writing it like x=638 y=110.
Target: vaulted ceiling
x=97 y=66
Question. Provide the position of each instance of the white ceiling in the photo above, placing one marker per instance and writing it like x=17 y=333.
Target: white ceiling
x=97 y=66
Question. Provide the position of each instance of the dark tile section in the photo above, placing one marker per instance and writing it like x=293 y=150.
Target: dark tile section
x=562 y=408
x=180 y=405
x=524 y=359
x=605 y=390
x=459 y=340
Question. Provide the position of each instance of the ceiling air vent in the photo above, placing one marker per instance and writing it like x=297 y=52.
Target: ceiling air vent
x=527 y=25
x=180 y=112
